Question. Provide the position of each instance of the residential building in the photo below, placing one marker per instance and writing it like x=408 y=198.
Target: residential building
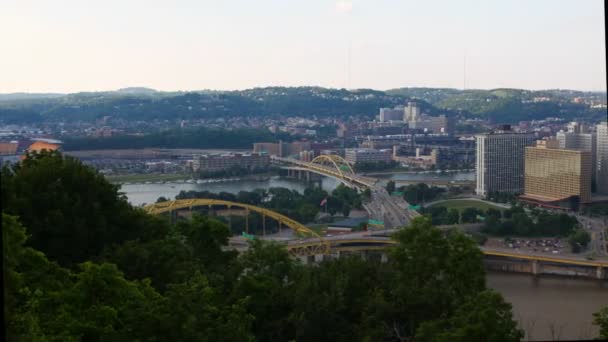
x=367 y=155
x=500 y=161
x=554 y=177
x=601 y=167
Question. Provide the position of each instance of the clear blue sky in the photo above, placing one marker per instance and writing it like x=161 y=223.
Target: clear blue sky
x=86 y=45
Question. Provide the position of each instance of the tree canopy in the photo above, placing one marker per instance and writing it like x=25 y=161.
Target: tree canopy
x=157 y=281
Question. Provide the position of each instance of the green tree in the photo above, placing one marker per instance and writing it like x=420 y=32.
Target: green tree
x=390 y=186
x=485 y=317
x=266 y=279
x=469 y=215
x=198 y=312
x=453 y=216
x=600 y=318
x=64 y=203
x=579 y=240
x=346 y=209
x=307 y=212
x=435 y=273
x=207 y=237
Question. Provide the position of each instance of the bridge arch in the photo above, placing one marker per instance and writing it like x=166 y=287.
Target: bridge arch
x=342 y=166
x=320 y=247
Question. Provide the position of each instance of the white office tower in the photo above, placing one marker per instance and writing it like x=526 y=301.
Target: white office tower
x=578 y=138
x=602 y=159
x=500 y=161
x=412 y=112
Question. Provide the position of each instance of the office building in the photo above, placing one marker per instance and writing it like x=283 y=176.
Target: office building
x=367 y=155
x=578 y=138
x=500 y=161
x=601 y=167
x=554 y=177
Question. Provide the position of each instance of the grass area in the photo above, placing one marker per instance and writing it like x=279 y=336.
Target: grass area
x=463 y=204
x=149 y=177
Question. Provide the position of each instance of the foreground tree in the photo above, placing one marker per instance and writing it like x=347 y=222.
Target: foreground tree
x=600 y=318
x=65 y=203
x=435 y=273
x=484 y=317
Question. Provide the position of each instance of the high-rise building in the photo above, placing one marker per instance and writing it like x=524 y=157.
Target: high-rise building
x=577 y=138
x=412 y=112
x=554 y=176
x=601 y=167
x=500 y=161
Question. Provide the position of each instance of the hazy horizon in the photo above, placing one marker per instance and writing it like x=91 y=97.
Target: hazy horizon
x=69 y=46
x=280 y=86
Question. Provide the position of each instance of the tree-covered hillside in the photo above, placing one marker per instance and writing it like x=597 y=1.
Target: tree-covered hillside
x=133 y=104
x=510 y=105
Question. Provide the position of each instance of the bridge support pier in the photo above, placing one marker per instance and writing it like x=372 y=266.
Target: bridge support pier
x=318 y=258
x=303 y=259
x=536 y=267
x=364 y=255
x=599 y=273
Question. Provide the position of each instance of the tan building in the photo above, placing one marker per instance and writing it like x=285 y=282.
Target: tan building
x=554 y=176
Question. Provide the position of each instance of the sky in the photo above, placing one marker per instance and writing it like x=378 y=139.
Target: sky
x=75 y=45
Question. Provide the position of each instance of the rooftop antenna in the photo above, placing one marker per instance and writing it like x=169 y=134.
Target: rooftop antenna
x=348 y=63
x=464 y=71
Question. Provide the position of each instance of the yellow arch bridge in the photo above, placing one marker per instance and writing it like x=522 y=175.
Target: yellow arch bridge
x=319 y=247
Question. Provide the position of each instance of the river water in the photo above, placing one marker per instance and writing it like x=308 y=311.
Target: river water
x=550 y=307
x=546 y=307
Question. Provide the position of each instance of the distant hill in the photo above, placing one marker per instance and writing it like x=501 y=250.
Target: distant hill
x=510 y=105
x=28 y=96
x=138 y=103
x=137 y=90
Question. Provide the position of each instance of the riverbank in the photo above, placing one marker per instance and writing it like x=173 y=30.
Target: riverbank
x=147 y=177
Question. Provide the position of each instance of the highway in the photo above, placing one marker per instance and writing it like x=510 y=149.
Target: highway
x=393 y=211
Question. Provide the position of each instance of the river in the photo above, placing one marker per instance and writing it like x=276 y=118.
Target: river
x=540 y=305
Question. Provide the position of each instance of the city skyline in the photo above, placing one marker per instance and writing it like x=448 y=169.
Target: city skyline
x=69 y=47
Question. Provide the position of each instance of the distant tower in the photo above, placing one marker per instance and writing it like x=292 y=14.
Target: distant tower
x=412 y=112
x=601 y=167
